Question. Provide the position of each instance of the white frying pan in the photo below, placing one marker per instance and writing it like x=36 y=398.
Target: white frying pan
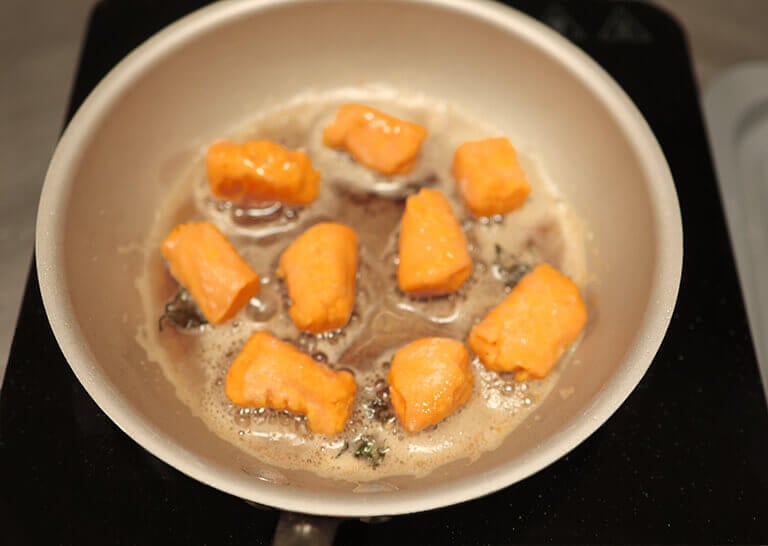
x=201 y=77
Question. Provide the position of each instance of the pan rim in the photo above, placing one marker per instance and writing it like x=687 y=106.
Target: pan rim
x=663 y=294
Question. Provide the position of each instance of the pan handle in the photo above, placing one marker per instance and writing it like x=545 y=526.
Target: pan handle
x=304 y=530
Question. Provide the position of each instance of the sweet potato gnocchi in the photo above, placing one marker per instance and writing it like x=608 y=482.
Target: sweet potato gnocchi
x=273 y=374
x=433 y=249
x=319 y=269
x=380 y=290
x=260 y=171
x=377 y=140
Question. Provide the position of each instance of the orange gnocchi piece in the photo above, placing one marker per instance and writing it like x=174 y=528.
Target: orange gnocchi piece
x=433 y=249
x=489 y=177
x=320 y=269
x=261 y=171
x=531 y=329
x=204 y=262
x=269 y=373
x=379 y=141
x=429 y=380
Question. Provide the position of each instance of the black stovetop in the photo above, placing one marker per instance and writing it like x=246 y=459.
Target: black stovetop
x=684 y=460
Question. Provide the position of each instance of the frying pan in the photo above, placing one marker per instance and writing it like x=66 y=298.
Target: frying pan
x=205 y=75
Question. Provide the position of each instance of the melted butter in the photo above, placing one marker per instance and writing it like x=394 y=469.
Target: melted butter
x=384 y=318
